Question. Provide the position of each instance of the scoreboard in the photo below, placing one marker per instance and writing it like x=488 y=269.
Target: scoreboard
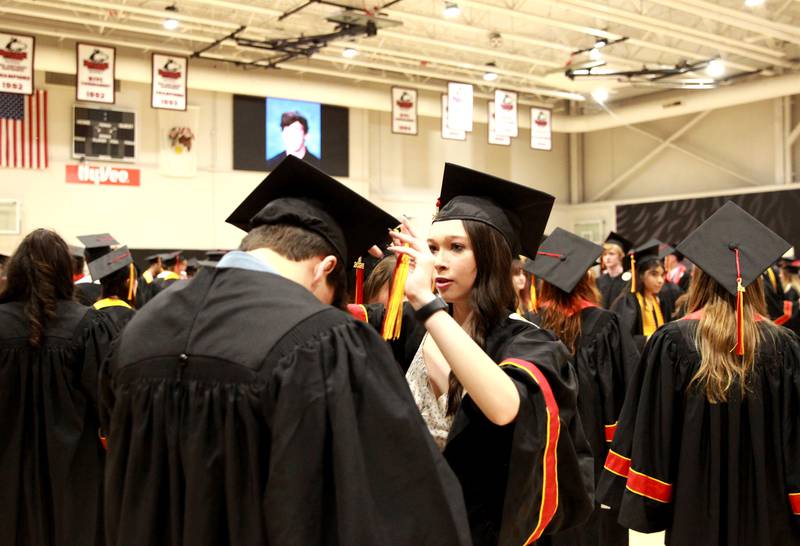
x=104 y=134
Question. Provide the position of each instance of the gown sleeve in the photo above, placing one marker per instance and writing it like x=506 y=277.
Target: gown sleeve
x=550 y=476
x=411 y=332
x=351 y=461
x=638 y=474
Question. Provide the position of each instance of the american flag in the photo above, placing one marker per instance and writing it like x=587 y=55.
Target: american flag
x=23 y=130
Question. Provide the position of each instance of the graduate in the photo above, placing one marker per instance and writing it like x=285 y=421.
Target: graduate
x=245 y=409
x=613 y=280
x=708 y=443
x=497 y=392
x=774 y=293
x=87 y=289
x=144 y=288
x=790 y=279
x=641 y=312
x=171 y=272
x=603 y=355
x=50 y=455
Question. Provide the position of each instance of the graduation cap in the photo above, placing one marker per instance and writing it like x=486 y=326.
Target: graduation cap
x=170 y=256
x=215 y=255
x=615 y=238
x=298 y=194
x=97 y=245
x=734 y=249
x=564 y=259
x=643 y=253
x=518 y=212
x=153 y=258
x=110 y=263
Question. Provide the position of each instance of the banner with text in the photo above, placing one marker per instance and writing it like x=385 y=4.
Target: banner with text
x=492 y=125
x=505 y=107
x=447 y=132
x=16 y=63
x=104 y=176
x=96 y=71
x=404 y=111
x=459 y=106
x=169 y=77
x=541 y=129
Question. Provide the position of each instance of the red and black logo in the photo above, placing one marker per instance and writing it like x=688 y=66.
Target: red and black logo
x=96 y=61
x=14 y=50
x=405 y=100
x=171 y=69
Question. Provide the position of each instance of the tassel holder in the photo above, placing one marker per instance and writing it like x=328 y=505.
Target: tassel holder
x=393 y=317
x=359 y=292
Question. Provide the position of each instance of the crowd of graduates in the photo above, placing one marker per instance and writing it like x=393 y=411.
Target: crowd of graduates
x=342 y=379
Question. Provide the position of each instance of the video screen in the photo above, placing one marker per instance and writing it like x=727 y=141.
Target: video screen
x=266 y=130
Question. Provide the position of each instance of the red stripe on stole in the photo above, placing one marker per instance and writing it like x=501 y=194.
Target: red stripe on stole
x=549 y=504
x=794 y=502
x=610 y=430
x=644 y=485
x=358 y=311
x=787 y=313
x=617 y=464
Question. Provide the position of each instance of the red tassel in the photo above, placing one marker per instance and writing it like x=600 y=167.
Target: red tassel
x=739 y=308
x=359 y=295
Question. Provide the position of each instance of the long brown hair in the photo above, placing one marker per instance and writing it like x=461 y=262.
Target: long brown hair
x=523 y=295
x=492 y=295
x=39 y=274
x=560 y=312
x=720 y=368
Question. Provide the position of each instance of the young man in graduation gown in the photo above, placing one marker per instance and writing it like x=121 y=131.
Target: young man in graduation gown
x=245 y=410
x=144 y=288
x=171 y=272
x=613 y=280
x=87 y=289
x=708 y=442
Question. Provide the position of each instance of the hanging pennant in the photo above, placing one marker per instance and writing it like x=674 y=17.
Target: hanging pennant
x=459 y=106
x=96 y=72
x=505 y=107
x=541 y=129
x=447 y=132
x=492 y=125
x=169 y=77
x=404 y=111
x=16 y=63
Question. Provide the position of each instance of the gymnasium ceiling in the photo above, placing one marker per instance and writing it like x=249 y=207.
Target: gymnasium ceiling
x=530 y=42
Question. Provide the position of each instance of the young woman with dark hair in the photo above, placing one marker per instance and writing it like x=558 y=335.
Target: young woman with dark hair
x=602 y=353
x=51 y=461
x=496 y=392
x=640 y=309
x=708 y=442
x=521 y=281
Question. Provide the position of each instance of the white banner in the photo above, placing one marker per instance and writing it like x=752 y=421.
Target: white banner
x=447 y=132
x=96 y=71
x=177 y=145
x=16 y=63
x=459 y=106
x=169 y=76
x=505 y=107
x=404 y=111
x=541 y=129
x=492 y=125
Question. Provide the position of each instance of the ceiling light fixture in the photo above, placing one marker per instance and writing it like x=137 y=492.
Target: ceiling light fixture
x=349 y=52
x=715 y=68
x=600 y=95
x=171 y=23
x=451 y=10
x=490 y=75
x=753 y=3
x=601 y=42
x=595 y=54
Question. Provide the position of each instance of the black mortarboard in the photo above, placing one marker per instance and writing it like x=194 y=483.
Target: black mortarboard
x=518 y=212
x=712 y=246
x=564 y=258
x=615 y=238
x=97 y=245
x=110 y=262
x=793 y=267
x=298 y=194
x=647 y=251
x=168 y=256
x=153 y=258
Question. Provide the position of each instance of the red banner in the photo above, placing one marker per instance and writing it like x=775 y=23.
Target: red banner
x=104 y=176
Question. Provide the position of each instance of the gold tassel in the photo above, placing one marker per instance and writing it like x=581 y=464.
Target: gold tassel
x=533 y=306
x=633 y=274
x=393 y=317
x=131 y=281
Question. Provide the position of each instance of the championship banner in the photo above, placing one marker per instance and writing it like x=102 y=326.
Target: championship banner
x=447 y=132
x=505 y=106
x=177 y=150
x=404 y=111
x=492 y=124
x=96 y=71
x=459 y=106
x=16 y=63
x=168 y=84
x=541 y=129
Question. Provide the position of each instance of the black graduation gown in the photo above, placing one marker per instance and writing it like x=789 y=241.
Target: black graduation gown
x=605 y=360
x=50 y=456
x=668 y=295
x=159 y=285
x=709 y=474
x=144 y=291
x=534 y=475
x=773 y=293
x=86 y=293
x=245 y=412
x=610 y=288
x=791 y=294
x=630 y=317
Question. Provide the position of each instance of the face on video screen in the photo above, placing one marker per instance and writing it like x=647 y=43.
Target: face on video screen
x=293 y=128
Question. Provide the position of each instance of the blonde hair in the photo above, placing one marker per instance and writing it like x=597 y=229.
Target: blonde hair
x=612 y=247
x=720 y=368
